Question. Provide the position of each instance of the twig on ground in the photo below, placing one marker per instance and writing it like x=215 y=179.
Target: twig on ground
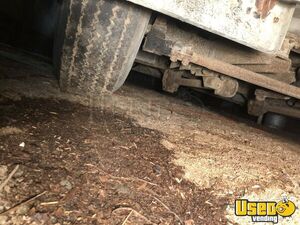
x=133 y=179
x=135 y=212
x=49 y=203
x=123 y=178
x=167 y=208
x=22 y=203
x=9 y=177
x=127 y=217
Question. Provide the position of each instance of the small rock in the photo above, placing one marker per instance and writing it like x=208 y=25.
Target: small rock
x=53 y=220
x=188 y=104
x=22 y=210
x=168 y=145
x=123 y=189
x=66 y=184
x=59 y=213
x=156 y=169
x=32 y=211
x=22 y=145
x=256 y=186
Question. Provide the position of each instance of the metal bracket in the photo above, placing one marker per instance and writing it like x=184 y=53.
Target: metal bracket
x=173 y=79
x=290 y=1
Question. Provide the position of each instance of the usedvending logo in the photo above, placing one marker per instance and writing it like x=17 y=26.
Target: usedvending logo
x=268 y=211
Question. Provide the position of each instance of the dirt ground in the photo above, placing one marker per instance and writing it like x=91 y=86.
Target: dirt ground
x=137 y=157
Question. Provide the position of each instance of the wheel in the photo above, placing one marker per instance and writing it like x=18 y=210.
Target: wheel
x=275 y=121
x=96 y=44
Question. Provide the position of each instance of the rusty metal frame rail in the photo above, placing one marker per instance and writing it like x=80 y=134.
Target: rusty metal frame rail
x=236 y=72
x=291 y=1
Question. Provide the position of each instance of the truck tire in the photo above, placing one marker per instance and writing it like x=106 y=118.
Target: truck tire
x=99 y=43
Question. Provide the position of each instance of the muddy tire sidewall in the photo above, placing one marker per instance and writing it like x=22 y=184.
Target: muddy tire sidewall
x=96 y=44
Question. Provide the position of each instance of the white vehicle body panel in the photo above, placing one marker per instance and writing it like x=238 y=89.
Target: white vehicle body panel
x=241 y=21
x=295 y=25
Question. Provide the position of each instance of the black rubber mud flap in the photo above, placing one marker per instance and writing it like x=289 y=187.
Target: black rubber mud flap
x=96 y=44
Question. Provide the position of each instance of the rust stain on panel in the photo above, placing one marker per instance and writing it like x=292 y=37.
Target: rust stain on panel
x=264 y=7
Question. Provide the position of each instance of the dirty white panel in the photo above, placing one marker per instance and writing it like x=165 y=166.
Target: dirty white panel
x=242 y=21
x=295 y=25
